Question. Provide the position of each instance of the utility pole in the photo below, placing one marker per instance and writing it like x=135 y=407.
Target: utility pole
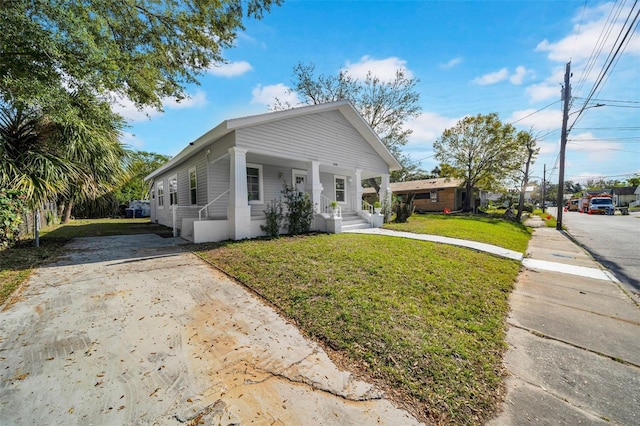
x=566 y=96
x=544 y=186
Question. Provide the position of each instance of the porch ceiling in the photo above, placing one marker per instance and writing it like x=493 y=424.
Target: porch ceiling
x=296 y=163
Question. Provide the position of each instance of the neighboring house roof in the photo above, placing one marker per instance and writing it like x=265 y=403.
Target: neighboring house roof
x=624 y=190
x=344 y=107
x=421 y=185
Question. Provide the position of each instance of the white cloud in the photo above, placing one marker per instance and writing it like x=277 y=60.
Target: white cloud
x=452 y=63
x=131 y=140
x=428 y=127
x=127 y=109
x=518 y=77
x=596 y=149
x=492 y=78
x=539 y=121
x=543 y=91
x=384 y=69
x=267 y=95
x=579 y=45
x=231 y=69
x=192 y=101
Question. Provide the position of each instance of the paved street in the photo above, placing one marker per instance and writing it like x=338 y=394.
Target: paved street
x=614 y=241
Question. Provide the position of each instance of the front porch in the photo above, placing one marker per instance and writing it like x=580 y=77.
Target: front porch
x=241 y=184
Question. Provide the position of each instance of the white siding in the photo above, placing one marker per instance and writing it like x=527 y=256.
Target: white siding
x=327 y=137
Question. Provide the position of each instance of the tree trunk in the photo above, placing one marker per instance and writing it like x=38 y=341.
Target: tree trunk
x=466 y=206
x=521 y=198
x=67 y=211
x=525 y=182
x=373 y=183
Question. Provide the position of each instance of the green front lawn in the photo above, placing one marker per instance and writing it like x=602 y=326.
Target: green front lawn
x=423 y=319
x=499 y=232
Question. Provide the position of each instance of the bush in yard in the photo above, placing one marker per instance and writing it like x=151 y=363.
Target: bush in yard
x=403 y=209
x=386 y=208
x=275 y=215
x=299 y=210
x=12 y=205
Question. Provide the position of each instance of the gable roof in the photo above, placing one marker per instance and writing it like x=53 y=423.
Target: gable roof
x=624 y=190
x=344 y=107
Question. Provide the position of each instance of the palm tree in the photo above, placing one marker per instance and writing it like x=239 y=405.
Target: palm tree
x=92 y=145
x=31 y=158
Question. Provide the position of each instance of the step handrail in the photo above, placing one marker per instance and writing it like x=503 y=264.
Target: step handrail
x=210 y=203
x=325 y=206
x=369 y=209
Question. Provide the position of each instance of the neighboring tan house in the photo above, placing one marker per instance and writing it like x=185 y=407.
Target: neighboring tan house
x=218 y=187
x=431 y=195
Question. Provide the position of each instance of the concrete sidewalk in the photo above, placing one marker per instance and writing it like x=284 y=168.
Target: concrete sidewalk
x=574 y=341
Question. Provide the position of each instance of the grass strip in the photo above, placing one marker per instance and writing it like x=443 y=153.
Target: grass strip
x=489 y=230
x=422 y=318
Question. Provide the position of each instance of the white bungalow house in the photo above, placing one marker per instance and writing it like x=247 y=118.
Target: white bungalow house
x=218 y=187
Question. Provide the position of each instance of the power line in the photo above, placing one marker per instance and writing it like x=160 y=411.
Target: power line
x=609 y=100
x=535 y=112
x=611 y=58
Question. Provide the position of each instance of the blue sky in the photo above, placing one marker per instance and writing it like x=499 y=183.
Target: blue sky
x=471 y=57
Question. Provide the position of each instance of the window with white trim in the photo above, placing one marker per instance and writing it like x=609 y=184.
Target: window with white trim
x=173 y=190
x=254 y=184
x=434 y=196
x=160 y=191
x=341 y=188
x=193 y=187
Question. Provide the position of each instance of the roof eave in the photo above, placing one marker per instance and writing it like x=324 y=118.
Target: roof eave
x=212 y=135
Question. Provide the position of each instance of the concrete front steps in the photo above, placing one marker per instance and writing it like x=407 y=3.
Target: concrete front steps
x=351 y=221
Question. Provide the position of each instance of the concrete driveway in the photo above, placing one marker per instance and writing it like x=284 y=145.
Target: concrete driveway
x=133 y=330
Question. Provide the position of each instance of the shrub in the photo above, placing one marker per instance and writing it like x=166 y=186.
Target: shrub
x=299 y=210
x=275 y=215
x=12 y=205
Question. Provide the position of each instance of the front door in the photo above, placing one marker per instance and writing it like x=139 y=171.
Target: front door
x=299 y=179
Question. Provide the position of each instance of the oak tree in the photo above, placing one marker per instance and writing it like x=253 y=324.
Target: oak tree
x=385 y=106
x=479 y=149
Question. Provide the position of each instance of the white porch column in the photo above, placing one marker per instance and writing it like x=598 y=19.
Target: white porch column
x=238 y=211
x=358 y=183
x=385 y=190
x=314 y=187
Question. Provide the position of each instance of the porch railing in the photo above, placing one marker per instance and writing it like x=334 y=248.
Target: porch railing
x=206 y=208
x=369 y=209
x=325 y=206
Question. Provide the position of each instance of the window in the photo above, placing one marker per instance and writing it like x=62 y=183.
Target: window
x=341 y=189
x=160 y=191
x=254 y=183
x=434 y=196
x=193 y=187
x=173 y=190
